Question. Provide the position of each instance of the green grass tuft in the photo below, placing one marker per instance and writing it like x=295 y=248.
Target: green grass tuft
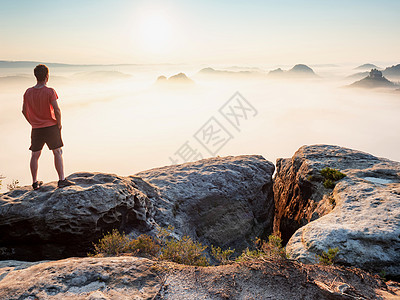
x=223 y=256
x=328 y=258
x=272 y=249
x=331 y=176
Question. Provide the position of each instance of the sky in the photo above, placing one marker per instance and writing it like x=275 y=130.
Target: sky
x=187 y=31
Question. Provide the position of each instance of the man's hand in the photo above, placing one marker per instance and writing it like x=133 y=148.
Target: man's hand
x=59 y=126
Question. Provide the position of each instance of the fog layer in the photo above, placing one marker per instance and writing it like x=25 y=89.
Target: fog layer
x=119 y=120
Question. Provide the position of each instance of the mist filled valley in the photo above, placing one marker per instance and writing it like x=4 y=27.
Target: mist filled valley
x=123 y=119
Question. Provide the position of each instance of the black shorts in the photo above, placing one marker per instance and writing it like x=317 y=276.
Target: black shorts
x=46 y=135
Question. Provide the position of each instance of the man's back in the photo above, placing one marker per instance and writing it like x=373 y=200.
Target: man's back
x=40 y=112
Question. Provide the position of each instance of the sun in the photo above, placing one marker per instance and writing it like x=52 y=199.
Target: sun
x=155 y=31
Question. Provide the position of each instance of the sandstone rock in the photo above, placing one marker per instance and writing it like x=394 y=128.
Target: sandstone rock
x=128 y=277
x=225 y=201
x=83 y=278
x=56 y=223
x=363 y=220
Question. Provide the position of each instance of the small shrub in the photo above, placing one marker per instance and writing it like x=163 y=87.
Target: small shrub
x=328 y=258
x=382 y=275
x=331 y=176
x=1 y=180
x=275 y=246
x=144 y=245
x=271 y=249
x=13 y=185
x=313 y=178
x=329 y=184
x=222 y=256
x=184 y=251
x=165 y=233
x=248 y=254
x=113 y=243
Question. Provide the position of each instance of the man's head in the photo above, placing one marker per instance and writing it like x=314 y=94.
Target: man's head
x=41 y=73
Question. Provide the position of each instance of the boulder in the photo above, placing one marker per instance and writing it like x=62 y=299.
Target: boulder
x=222 y=201
x=81 y=278
x=52 y=223
x=360 y=215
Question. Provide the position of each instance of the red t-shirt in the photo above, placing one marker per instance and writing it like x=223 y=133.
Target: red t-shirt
x=40 y=112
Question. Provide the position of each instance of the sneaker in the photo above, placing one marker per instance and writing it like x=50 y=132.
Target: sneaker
x=36 y=185
x=64 y=183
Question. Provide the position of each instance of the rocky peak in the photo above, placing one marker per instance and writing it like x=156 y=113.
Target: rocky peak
x=225 y=201
x=374 y=73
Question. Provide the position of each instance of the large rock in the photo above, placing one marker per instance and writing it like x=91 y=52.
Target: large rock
x=55 y=223
x=127 y=277
x=360 y=216
x=80 y=278
x=224 y=201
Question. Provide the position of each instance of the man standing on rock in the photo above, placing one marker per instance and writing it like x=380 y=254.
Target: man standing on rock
x=41 y=110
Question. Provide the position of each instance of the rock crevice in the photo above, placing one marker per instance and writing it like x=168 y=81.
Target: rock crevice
x=360 y=215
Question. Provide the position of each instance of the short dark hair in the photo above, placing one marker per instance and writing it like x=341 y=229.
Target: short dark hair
x=41 y=72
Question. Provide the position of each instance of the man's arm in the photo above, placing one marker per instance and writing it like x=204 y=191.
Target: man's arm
x=24 y=112
x=57 y=112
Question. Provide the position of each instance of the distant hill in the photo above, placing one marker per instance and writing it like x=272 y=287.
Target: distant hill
x=326 y=66
x=393 y=71
x=242 y=68
x=298 y=71
x=358 y=75
x=366 y=67
x=178 y=79
x=276 y=72
x=211 y=71
x=32 y=64
x=101 y=75
x=16 y=80
x=301 y=69
x=375 y=79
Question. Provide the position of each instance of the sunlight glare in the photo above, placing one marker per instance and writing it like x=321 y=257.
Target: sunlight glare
x=155 y=32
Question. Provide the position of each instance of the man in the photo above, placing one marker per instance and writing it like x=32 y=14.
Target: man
x=41 y=110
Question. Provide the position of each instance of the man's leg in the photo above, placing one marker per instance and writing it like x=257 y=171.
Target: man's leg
x=58 y=163
x=35 y=164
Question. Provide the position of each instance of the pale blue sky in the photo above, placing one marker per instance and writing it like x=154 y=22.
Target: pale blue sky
x=177 y=31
